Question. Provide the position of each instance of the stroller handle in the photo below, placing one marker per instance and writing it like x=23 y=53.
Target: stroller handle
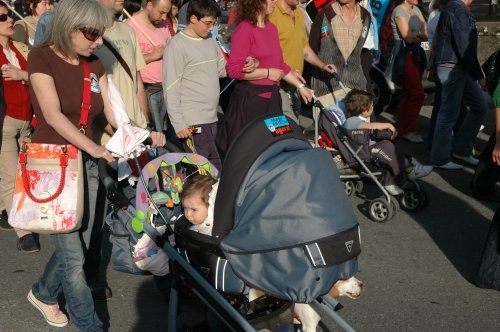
x=111 y=184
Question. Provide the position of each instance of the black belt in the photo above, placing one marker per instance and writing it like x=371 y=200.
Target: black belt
x=152 y=84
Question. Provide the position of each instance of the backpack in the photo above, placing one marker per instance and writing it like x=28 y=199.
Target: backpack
x=491 y=69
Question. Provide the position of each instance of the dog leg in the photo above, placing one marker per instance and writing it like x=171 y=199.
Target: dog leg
x=309 y=318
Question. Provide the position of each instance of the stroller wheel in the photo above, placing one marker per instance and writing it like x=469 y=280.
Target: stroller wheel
x=381 y=210
x=349 y=187
x=414 y=199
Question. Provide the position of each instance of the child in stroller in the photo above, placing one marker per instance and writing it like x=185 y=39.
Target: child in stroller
x=198 y=200
x=359 y=105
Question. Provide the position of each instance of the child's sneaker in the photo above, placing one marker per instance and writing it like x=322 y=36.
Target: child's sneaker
x=419 y=171
x=51 y=312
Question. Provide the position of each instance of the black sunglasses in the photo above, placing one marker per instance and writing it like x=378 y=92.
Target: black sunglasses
x=3 y=17
x=91 y=34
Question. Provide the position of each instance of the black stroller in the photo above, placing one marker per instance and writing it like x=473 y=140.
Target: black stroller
x=283 y=225
x=351 y=153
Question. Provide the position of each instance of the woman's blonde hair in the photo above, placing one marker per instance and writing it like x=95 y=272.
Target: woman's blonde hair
x=72 y=15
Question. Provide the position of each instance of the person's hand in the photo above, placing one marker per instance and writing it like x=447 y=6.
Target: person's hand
x=250 y=65
x=275 y=74
x=496 y=154
x=299 y=76
x=158 y=139
x=11 y=73
x=393 y=130
x=185 y=133
x=306 y=94
x=329 y=68
x=158 y=52
x=482 y=84
x=100 y=151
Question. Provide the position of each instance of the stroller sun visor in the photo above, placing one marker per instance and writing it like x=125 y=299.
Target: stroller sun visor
x=291 y=196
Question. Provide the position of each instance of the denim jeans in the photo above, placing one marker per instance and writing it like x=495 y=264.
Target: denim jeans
x=457 y=88
x=64 y=271
x=157 y=108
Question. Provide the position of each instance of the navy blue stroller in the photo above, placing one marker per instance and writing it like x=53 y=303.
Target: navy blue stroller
x=283 y=225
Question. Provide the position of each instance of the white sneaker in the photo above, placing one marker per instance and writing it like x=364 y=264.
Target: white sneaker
x=394 y=190
x=449 y=165
x=50 y=312
x=419 y=171
x=470 y=160
x=413 y=137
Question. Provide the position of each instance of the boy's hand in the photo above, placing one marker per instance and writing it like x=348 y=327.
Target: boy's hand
x=185 y=133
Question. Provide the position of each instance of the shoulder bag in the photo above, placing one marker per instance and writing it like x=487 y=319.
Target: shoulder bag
x=48 y=195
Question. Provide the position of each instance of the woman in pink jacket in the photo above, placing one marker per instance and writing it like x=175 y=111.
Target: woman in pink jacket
x=255 y=93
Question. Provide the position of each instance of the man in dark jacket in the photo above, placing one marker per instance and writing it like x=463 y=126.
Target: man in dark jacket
x=459 y=71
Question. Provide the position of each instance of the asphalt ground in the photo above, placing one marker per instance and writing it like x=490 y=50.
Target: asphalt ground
x=418 y=269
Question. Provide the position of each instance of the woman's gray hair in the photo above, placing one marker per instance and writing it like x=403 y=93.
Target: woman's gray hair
x=72 y=15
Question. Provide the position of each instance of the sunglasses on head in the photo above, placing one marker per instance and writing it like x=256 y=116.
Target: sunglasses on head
x=91 y=34
x=3 y=17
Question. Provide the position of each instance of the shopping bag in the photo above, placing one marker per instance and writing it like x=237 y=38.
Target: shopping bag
x=48 y=194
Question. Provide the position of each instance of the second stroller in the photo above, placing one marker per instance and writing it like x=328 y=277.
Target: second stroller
x=363 y=149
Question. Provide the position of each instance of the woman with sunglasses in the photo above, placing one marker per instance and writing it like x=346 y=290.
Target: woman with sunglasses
x=256 y=93
x=24 y=30
x=18 y=114
x=56 y=70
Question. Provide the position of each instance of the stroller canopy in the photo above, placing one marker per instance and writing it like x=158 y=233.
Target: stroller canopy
x=281 y=215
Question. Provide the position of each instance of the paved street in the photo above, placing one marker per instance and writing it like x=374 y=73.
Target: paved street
x=418 y=270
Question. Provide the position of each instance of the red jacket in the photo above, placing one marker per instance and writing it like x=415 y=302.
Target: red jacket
x=17 y=95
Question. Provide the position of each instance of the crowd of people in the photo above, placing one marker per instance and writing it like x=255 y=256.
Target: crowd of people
x=164 y=58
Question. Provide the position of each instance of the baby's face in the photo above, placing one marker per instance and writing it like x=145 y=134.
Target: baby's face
x=194 y=209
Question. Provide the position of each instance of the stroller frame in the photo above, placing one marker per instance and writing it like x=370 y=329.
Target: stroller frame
x=325 y=305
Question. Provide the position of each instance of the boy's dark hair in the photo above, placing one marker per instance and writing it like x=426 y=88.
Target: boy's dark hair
x=132 y=6
x=198 y=184
x=202 y=8
x=357 y=101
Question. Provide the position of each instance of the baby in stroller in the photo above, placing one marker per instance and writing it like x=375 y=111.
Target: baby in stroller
x=359 y=105
x=198 y=200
